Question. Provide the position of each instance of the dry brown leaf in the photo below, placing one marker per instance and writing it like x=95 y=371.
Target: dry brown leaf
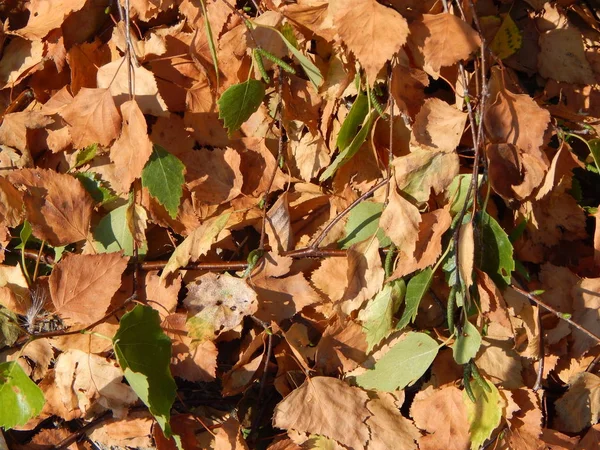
x=525 y=426
x=93 y=383
x=331 y=269
x=93 y=118
x=57 y=205
x=134 y=431
x=46 y=16
x=389 y=429
x=500 y=364
x=382 y=32
x=132 y=149
x=586 y=312
x=192 y=361
x=310 y=155
x=214 y=176
x=466 y=253
x=441 y=40
x=400 y=222
x=11 y=204
x=562 y=57
x=82 y=286
x=342 y=347
x=316 y=406
x=114 y=78
x=438 y=126
x=579 y=407
x=506 y=112
x=278 y=226
x=16 y=128
x=282 y=298
x=365 y=275
x=423 y=170
x=429 y=245
x=443 y=415
x=514 y=174
x=229 y=436
x=20 y=57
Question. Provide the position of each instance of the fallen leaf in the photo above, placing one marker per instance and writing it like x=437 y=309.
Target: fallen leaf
x=82 y=286
x=579 y=407
x=93 y=118
x=382 y=32
x=316 y=405
x=441 y=40
x=438 y=126
x=131 y=150
x=217 y=304
x=57 y=205
x=443 y=415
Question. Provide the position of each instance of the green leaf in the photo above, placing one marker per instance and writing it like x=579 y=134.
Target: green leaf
x=508 y=39
x=21 y=398
x=58 y=253
x=457 y=192
x=402 y=365
x=24 y=235
x=239 y=102
x=95 y=187
x=85 y=155
x=416 y=289
x=363 y=222
x=495 y=255
x=378 y=316
x=467 y=344
x=144 y=353
x=484 y=415
x=211 y=41
x=312 y=71
x=344 y=156
x=113 y=233
x=353 y=121
x=163 y=176
x=594 y=145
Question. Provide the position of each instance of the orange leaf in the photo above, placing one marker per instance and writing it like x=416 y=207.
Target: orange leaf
x=57 y=205
x=382 y=32
x=93 y=118
x=133 y=148
x=82 y=286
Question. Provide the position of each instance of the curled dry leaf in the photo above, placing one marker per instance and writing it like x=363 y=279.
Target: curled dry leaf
x=132 y=149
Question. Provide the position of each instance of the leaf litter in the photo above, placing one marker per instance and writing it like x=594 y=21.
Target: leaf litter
x=294 y=225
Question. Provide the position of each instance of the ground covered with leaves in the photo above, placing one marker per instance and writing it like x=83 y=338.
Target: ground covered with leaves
x=301 y=224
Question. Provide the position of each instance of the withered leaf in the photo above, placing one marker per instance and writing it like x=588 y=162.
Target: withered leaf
x=82 y=286
x=57 y=205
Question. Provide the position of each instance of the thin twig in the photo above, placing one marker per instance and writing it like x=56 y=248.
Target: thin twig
x=330 y=225
x=558 y=314
x=65 y=443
